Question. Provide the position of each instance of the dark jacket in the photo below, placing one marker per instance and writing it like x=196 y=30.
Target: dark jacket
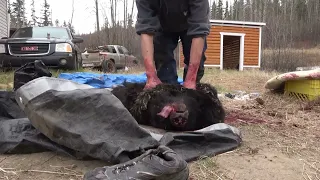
x=173 y=16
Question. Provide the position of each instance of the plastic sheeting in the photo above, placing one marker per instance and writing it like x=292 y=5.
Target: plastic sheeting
x=94 y=122
x=17 y=134
x=9 y=108
x=105 y=80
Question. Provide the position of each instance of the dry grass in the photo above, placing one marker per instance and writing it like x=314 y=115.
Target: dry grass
x=315 y=51
x=286 y=59
x=206 y=169
x=60 y=171
x=290 y=130
x=231 y=80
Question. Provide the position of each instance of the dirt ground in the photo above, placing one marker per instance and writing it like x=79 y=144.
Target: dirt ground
x=281 y=140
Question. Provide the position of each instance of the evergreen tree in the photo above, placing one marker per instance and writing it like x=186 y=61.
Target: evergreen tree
x=230 y=13
x=57 y=23
x=71 y=28
x=213 y=10
x=46 y=20
x=220 y=10
x=34 y=18
x=247 y=10
x=130 y=21
x=226 y=12
x=12 y=17
x=65 y=24
x=241 y=9
x=18 y=13
x=235 y=12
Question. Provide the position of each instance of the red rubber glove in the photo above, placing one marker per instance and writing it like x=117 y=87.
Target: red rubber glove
x=147 y=53
x=195 y=57
x=152 y=82
x=189 y=85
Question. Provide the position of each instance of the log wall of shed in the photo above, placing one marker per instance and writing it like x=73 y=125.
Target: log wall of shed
x=251 y=44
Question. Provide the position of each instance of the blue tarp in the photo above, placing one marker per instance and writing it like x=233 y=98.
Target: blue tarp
x=104 y=80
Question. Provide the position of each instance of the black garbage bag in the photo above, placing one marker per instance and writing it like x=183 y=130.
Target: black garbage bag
x=28 y=72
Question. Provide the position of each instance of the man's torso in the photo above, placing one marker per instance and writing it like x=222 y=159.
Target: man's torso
x=173 y=15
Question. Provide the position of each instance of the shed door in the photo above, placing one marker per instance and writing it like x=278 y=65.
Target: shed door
x=231 y=52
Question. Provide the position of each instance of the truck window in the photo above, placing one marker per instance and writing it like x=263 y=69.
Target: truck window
x=104 y=49
x=41 y=32
x=120 y=50
x=125 y=50
x=112 y=49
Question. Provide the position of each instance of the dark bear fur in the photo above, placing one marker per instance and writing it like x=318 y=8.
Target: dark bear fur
x=194 y=109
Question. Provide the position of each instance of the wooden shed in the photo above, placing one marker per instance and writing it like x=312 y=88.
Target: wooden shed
x=232 y=45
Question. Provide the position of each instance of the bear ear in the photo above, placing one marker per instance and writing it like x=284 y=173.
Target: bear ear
x=208 y=89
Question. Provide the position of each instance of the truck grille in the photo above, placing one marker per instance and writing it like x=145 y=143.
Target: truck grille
x=29 y=48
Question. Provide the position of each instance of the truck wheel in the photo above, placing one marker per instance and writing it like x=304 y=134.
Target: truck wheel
x=80 y=65
x=135 y=63
x=75 y=64
x=108 y=66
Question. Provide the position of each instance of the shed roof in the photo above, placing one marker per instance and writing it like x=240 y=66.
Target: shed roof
x=246 y=23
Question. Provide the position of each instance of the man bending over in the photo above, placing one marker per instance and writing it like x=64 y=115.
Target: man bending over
x=161 y=23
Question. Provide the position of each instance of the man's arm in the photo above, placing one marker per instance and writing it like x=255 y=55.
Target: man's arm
x=147 y=19
x=199 y=28
x=147 y=24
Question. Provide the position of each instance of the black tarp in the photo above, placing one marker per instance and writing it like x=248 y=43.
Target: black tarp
x=19 y=136
x=192 y=145
x=94 y=122
x=9 y=108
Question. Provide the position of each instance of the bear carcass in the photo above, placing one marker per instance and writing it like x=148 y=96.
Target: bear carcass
x=172 y=107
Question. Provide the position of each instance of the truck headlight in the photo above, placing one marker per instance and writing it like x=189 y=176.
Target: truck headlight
x=63 y=47
x=2 y=48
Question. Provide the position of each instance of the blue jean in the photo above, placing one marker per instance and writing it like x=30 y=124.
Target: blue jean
x=164 y=46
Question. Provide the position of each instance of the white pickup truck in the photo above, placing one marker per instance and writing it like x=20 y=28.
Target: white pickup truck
x=109 y=58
